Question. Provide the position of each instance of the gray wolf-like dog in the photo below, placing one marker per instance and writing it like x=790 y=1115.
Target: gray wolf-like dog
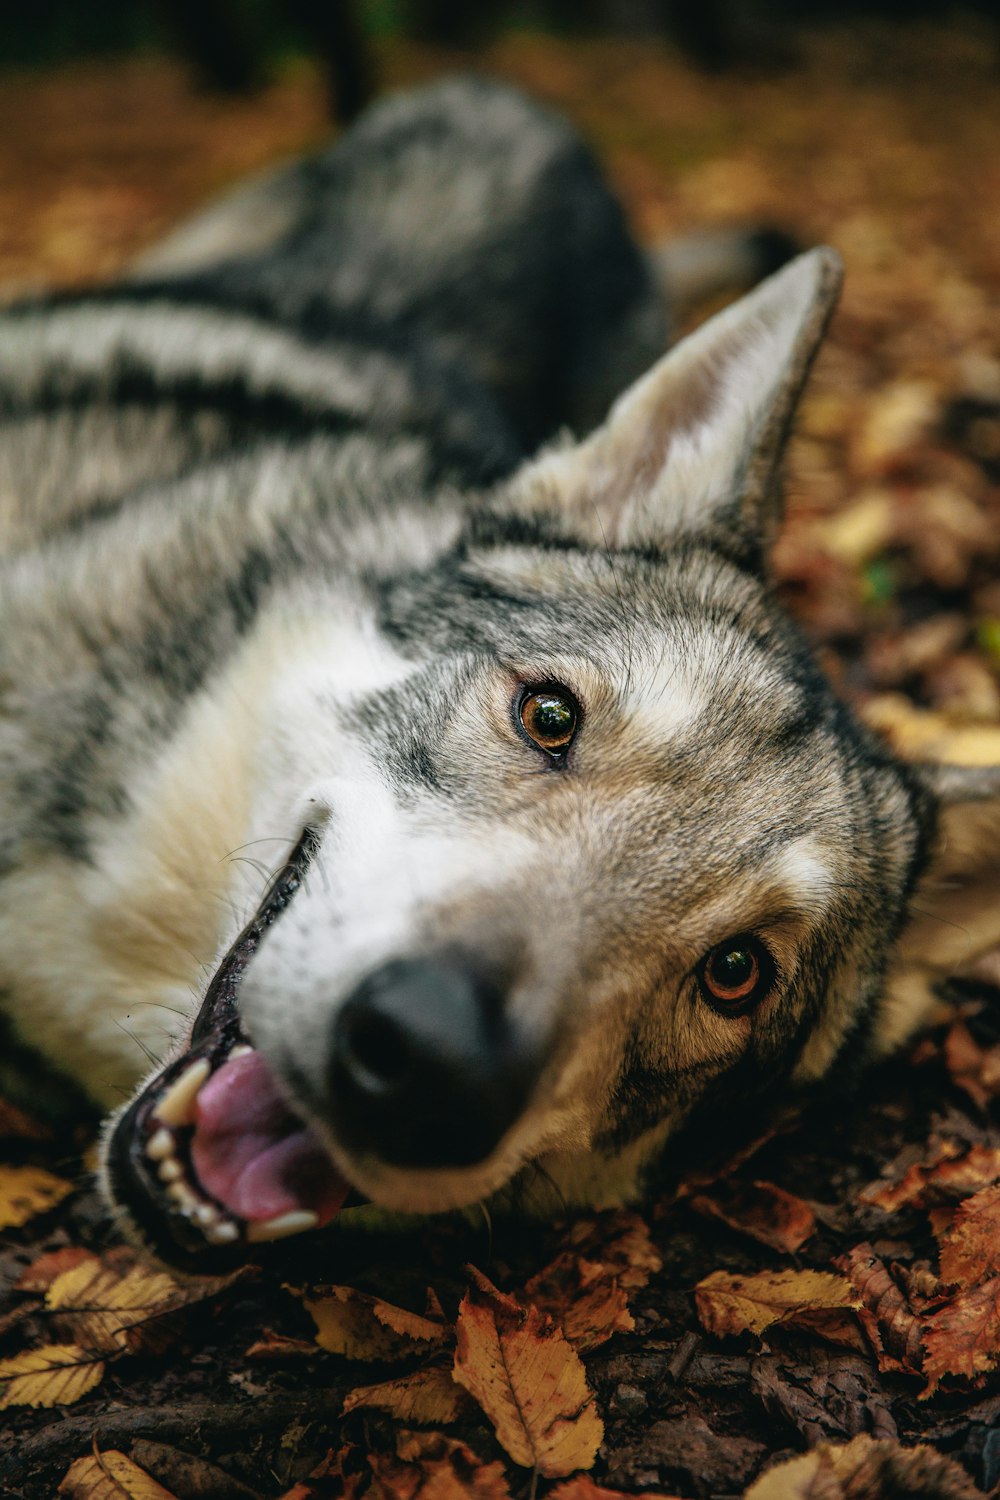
x=400 y=739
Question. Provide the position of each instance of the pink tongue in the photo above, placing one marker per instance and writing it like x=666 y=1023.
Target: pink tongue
x=253 y=1155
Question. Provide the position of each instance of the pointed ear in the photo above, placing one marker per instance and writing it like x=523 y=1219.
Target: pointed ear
x=696 y=444
x=953 y=923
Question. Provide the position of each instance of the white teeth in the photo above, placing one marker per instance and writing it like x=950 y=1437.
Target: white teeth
x=223 y=1233
x=169 y=1169
x=184 y=1196
x=205 y=1214
x=177 y=1105
x=160 y=1145
x=241 y=1051
x=296 y=1222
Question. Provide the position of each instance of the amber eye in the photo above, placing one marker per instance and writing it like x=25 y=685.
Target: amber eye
x=737 y=974
x=549 y=717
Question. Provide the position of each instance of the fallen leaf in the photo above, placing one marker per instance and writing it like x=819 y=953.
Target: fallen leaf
x=52 y=1375
x=970 y=1250
x=865 y=1469
x=761 y=1210
x=892 y=1327
x=620 y=1241
x=826 y=1395
x=974 y=1068
x=431 y=1466
x=729 y=1303
x=963 y=1337
x=363 y=1327
x=110 y=1476
x=529 y=1380
x=950 y=1175
x=42 y=1272
x=342 y=1468
x=583 y=1297
x=582 y=1487
x=15 y=1124
x=193 y=1478
x=429 y=1397
x=106 y=1304
x=27 y=1191
x=277 y=1346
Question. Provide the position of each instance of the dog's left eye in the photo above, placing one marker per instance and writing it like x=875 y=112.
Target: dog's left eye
x=549 y=717
x=734 y=976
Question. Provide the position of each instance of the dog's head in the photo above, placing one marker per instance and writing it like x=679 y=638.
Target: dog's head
x=593 y=847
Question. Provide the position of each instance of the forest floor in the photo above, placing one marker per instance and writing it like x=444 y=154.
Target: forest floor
x=839 y=1281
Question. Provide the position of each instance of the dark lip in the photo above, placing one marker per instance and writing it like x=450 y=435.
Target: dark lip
x=134 y=1186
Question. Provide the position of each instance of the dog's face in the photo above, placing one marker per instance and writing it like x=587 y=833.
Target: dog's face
x=593 y=847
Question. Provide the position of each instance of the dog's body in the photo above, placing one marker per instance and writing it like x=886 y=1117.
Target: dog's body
x=555 y=775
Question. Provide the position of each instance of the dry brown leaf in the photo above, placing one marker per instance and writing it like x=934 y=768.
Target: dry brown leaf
x=584 y=1298
x=761 y=1210
x=15 y=1124
x=892 y=1327
x=970 y=1251
x=865 y=1469
x=27 y=1191
x=110 y=1476
x=963 y=1336
x=276 y=1346
x=40 y=1275
x=529 y=1380
x=429 y=1397
x=948 y=1176
x=582 y=1487
x=431 y=1466
x=344 y=1468
x=619 y=1241
x=974 y=1068
x=360 y=1326
x=729 y=1303
x=52 y=1375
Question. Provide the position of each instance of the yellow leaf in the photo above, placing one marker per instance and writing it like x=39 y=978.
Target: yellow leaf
x=104 y=1300
x=54 y=1375
x=359 y=1326
x=749 y=1304
x=26 y=1191
x=429 y=1396
x=110 y=1476
x=529 y=1381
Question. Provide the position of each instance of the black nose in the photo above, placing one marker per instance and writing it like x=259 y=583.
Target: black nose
x=426 y=1071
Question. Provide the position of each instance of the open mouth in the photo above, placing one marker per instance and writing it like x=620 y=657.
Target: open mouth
x=209 y=1157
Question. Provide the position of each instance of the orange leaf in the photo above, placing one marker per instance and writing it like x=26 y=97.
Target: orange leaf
x=529 y=1381
x=27 y=1191
x=360 y=1326
x=963 y=1336
x=110 y=1476
x=582 y=1487
x=970 y=1251
x=974 y=1068
x=585 y=1299
x=947 y=1177
x=40 y=1275
x=763 y=1211
x=749 y=1304
x=427 y=1396
x=431 y=1466
x=53 y=1375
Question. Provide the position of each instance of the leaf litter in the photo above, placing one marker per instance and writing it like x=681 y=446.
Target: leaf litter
x=804 y=1293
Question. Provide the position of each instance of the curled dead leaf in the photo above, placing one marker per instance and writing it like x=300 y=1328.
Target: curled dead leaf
x=529 y=1380
x=963 y=1337
x=729 y=1303
x=865 y=1469
x=431 y=1466
x=949 y=1175
x=761 y=1210
x=52 y=1375
x=892 y=1327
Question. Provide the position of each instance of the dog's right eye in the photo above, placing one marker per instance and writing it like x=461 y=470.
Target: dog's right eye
x=734 y=976
x=549 y=718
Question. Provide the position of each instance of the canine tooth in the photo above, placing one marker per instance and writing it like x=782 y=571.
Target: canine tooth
x=296 y=1222
x=223 y=1233
x=243 y=1050
x=169 y=1169
x=160 y=1145
x=177 y=1105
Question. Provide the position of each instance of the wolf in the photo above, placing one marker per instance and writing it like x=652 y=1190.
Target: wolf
x=413 y=792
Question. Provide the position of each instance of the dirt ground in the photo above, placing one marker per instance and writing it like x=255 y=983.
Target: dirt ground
x=845 y=1309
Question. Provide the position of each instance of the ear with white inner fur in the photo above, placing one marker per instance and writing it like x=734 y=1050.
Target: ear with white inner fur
x=954 y=919
x=696 y=444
